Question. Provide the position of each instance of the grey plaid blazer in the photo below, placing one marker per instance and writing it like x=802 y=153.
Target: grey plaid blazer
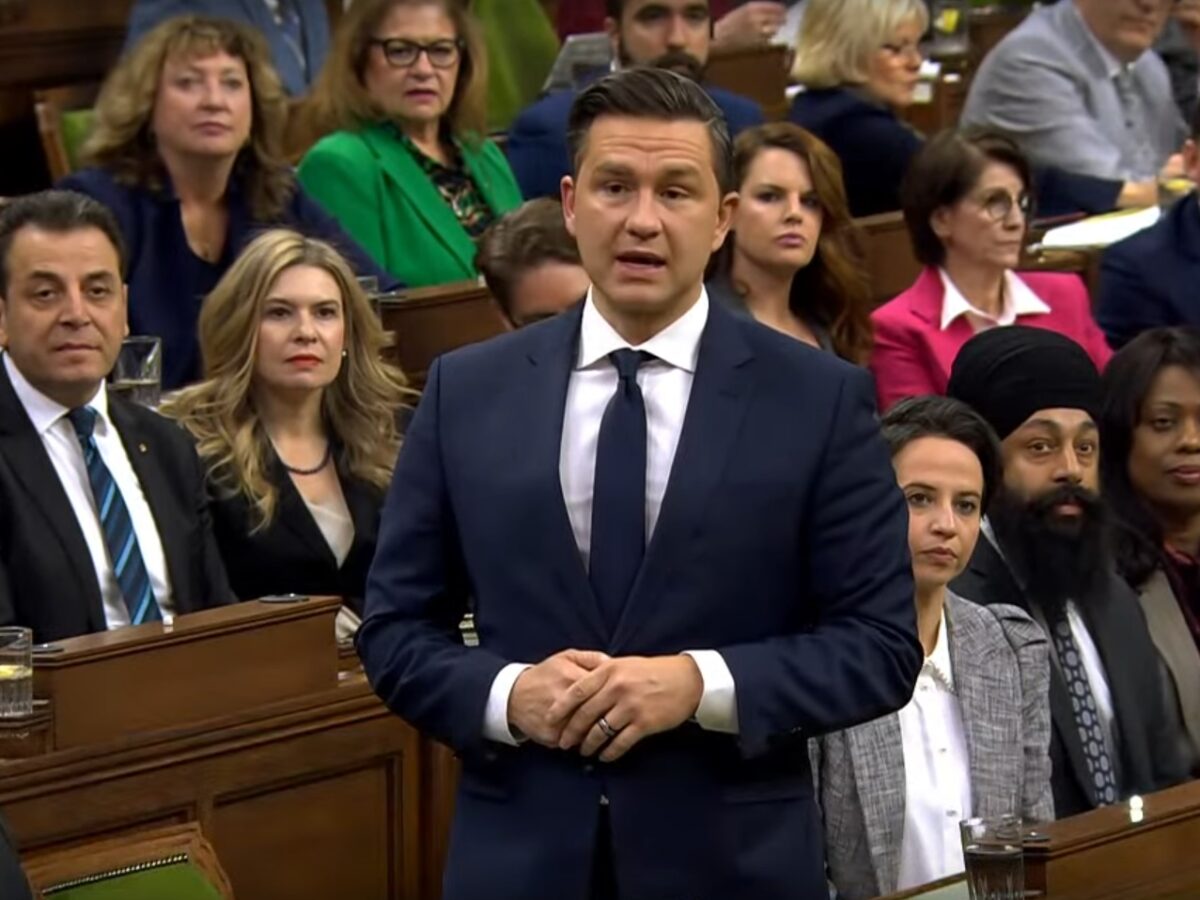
x=1000 y=661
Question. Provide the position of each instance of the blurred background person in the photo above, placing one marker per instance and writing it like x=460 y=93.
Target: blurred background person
x=531 y=264
x=736 y=23
x=669 y=34
x=967 y=204
x=407 y=169
x=974 y=739
x=295 y=422
x=1150 y=472
x=186 y=152
x=1078 y=87
x=297 y=31
x=791 y=259
x=859 y=62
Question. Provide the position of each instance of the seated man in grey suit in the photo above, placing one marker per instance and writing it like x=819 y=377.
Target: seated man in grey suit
x=1045 y=551
x=1077 y=86
x=103 y=512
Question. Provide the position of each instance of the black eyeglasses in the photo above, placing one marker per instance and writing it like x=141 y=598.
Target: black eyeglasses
x=400 y=54
x=999 y=204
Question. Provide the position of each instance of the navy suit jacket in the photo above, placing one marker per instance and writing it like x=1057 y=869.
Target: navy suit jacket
x=1149 y=280
x=168 y=282
x=537 y=140
x=782 y=544
x=314 y=21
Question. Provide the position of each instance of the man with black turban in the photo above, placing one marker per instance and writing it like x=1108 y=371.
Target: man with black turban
x=1046 y=552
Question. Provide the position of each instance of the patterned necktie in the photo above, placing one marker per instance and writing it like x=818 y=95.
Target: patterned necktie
x=619 y=494
x=1087 y=719
x=123 y=552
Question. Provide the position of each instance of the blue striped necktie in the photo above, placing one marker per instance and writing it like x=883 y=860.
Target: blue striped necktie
x=117 y=525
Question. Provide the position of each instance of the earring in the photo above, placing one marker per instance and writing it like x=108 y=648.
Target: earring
x=345 y=353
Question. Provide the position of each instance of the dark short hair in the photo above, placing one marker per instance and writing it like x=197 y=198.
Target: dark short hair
x=1127 y=380
x=945 y=417
x=943 y=172
x=58 y=212
x=529 y=236
x=614 y=8
x=648 y=93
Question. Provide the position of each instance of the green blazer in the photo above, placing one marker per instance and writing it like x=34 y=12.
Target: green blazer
x=372 y=185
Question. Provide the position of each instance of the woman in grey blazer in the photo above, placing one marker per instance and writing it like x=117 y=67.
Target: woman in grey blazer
x=974 y=739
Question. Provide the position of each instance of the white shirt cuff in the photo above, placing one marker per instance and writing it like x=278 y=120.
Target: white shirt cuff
x=718 y=701
x=495 y=715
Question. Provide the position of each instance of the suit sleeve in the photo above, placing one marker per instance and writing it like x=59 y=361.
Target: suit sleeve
x=1127 y=303
x=1032 y=651
x=537 y=154
x=860 y=658
x=8 y=611
x=898 y=371
x=345 y=188
x=215 y=589
x=417 y=593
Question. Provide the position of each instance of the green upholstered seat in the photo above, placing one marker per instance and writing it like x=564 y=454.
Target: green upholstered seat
x=171 y=880
x=76 y=124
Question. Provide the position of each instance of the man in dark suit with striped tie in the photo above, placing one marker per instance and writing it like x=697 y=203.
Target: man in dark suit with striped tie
x=103 y=519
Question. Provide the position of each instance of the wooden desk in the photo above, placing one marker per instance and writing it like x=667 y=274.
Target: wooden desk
x=427 y=322
x=888 y=253
x=760 y=73
x=309 y=791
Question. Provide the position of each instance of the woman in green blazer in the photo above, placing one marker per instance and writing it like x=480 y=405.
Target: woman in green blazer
x=406 y=170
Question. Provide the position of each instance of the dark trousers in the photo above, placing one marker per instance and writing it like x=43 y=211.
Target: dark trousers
x=604 y=870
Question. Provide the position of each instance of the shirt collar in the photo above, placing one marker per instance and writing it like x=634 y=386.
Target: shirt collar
x=1112 y=66
x=677 y=345
x=1019 y=300
x=938 y=662
x=43 y=412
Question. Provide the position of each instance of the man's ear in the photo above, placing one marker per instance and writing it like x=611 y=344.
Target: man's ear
x=125 y=300
x=567 y=188
x=3 y=324
x=725 y=211
x=613 y=29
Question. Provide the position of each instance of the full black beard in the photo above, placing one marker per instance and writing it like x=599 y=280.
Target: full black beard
x=1057 y=559
x=676 y=60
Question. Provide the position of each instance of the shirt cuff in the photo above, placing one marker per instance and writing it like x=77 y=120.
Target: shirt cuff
x=718 y=701
x=495 y=715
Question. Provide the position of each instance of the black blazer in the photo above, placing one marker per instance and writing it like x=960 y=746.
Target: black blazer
x=13 y=884
x=290 y=555
x=1147 y=736
x=47 y=581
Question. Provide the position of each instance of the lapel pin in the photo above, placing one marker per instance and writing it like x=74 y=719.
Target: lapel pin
x=142 y=448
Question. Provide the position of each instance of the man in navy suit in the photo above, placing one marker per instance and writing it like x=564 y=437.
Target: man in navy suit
x=1149 y=280
x=669 y=34
x=682 y=541
x=297 y=31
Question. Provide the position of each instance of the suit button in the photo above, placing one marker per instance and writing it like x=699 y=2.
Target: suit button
x=604 y=800
x=489 y=756
x=589 y=768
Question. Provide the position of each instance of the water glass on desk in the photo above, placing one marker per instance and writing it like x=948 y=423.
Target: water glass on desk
x=992 y=853
x=16 y=672
x=137 y=375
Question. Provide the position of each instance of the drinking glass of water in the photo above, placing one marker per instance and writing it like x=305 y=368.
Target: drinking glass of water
x=137 y=375
x=992 y=853
x=16 y=672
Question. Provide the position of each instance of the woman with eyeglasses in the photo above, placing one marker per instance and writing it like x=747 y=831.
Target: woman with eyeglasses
x=407 y=170
x=966 y=201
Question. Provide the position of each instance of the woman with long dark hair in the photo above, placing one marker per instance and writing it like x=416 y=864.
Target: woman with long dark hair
x=792 y=259
x=1150 y=471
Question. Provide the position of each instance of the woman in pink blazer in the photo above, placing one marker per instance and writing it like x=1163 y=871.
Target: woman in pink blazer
x=966 y=202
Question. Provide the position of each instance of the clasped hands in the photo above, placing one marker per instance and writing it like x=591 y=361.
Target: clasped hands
x=560 y=701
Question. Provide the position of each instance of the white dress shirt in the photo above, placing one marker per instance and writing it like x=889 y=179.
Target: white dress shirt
x=1018 y=300
x=937 y=773
x=58 y=436
x=666 y=384
x=1093 y=665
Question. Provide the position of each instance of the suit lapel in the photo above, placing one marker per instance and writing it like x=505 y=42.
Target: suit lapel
x=294 y=514
x=169 y=520
x=23 y=448
x=1169 y=631
x=710 y=427
x=538 y=420
x=877 y=755
x=410 y=179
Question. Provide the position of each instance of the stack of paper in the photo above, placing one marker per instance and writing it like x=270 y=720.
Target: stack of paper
x=1100 y=231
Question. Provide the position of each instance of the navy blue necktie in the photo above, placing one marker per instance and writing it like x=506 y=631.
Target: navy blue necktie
x=619 y=495
x=1087 y=717
x=117 y=525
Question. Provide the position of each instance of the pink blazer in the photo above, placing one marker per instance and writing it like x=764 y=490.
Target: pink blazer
x=912 y=354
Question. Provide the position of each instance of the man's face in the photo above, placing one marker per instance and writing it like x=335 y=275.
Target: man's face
x=1127 y=28
x=63 y=314
x=1054 y=457
x=545 y=291
x=668 y=34
x=647 y=213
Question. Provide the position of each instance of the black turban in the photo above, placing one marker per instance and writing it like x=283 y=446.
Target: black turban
x=1007 y=374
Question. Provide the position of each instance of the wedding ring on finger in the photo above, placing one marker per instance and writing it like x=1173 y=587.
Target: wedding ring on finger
x=609 y=731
